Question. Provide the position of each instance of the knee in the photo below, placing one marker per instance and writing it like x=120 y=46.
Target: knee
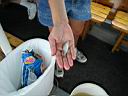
x=77 y=32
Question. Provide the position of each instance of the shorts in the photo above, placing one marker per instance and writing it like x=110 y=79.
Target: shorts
x=76 y=9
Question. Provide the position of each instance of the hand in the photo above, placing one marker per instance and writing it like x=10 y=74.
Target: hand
x=59 y=35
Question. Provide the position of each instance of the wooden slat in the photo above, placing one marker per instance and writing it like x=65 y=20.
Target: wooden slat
x=100 y=9
x=97 y=18
x=120 y=26
x=97 y=5
x=122 y=15
x=14 y=41
x=123 y=5
x=100 y=5
x=121 y=20
x=98 y=13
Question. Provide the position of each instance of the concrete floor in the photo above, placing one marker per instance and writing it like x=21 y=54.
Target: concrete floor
x=59 y=92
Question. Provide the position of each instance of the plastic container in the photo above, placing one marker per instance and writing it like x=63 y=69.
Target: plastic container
x=90 y=89
x=4 y=43
x=11 y=71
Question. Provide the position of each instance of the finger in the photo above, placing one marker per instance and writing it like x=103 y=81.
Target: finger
x=69 y=57
x=59 y=46
x=52 y=45
x=59 y=59
x=66 y=65
x=73 y=50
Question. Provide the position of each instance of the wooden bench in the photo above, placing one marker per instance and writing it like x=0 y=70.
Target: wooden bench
x=101 y=9
x=99 y=12
x=13 y=40
x=120 y=23
x=109 y=6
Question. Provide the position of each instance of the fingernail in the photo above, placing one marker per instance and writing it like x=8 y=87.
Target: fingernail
x=66 y=68
x=73 y=57
x=61 y=67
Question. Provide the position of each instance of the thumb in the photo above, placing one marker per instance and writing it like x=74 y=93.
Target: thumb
x=52 y=45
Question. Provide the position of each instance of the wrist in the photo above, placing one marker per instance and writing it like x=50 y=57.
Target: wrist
x=61 y=22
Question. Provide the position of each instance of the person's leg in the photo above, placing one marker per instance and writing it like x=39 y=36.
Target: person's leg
x=80 y=13
x=77 y=28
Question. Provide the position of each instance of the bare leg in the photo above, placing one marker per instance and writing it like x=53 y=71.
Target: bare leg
x=50 y=29
x=77 y=28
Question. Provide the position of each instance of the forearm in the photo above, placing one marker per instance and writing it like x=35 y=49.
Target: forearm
x=58 y=11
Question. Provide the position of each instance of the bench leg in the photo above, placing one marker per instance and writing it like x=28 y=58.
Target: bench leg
x=118 y=42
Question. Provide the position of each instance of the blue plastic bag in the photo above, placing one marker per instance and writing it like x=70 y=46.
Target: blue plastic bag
x=31 y=69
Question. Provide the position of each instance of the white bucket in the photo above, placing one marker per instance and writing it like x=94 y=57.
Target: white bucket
x=4 y=43
x=90 y=89
x=11 y=71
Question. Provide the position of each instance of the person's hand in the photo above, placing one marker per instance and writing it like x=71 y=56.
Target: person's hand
x=59 y=35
